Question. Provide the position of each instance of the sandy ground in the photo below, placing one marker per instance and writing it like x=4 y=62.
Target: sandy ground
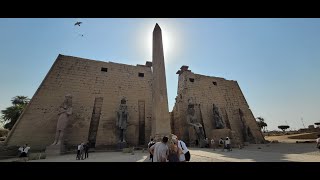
x=285 y=138
x=279 y=152
x=285 y=151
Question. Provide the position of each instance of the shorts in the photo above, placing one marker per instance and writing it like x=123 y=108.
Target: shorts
x=182 y=158
x=23 y=154
x=187 y=156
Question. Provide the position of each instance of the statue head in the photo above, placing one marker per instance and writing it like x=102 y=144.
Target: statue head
x=123 y=105
x=190 y=101
x=240 y=112
x=191 y=110
x=123 y=101
x=67 y=101
x=214 y=106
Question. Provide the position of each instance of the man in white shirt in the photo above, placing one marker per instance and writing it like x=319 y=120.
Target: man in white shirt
x=160 y=150
x=79 y=151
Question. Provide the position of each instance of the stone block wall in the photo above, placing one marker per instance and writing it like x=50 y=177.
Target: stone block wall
x=204 y=91
x=85 y=80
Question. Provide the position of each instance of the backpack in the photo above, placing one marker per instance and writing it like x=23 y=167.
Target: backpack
x=181 y=146
x=151 y=144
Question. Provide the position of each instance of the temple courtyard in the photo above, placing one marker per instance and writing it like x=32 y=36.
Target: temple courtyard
x=277 y=152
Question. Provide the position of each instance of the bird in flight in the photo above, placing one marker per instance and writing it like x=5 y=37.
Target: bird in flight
x=77 y=23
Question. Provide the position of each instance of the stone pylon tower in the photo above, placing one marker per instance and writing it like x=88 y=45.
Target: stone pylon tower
x=160 y=112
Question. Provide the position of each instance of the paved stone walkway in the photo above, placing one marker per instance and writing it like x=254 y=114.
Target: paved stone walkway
x=281 y=152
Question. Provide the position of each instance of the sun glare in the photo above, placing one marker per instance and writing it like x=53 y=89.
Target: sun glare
x=166 y=42
x=168 y=39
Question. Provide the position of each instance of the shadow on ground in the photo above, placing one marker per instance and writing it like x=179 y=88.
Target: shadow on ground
x=281 y=152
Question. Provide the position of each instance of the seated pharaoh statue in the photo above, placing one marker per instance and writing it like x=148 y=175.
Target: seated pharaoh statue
x=193 y=121
x=217 y=118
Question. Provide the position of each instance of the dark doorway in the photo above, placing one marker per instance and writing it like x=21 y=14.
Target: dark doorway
x=141 y=123
x=94 y=124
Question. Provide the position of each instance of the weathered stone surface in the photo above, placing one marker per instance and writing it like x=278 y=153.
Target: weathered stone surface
x=54 y=150
x=85 y=80
x=233 y=110
x=161 y=118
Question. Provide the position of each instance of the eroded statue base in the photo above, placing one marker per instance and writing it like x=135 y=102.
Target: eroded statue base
x=122 y=145
x=54 y=150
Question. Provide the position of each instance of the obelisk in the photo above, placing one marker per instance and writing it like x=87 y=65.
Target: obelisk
x=160 y=112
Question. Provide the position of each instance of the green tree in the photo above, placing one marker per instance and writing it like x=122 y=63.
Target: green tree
x=262 y=125
x=283 y=127
x=11 y=114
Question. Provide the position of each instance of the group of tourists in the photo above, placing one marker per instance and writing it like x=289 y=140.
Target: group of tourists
x=223 y=144
x=24 y=150
x=176 y=151
x=82 y=151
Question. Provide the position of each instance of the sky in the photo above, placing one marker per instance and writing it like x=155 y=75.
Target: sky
x=275 y=61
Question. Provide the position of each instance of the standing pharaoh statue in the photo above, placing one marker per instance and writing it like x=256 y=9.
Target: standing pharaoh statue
x=193 y=121
x=64 y=113
x=217 y=118
x=122 y=119
x=245 y=128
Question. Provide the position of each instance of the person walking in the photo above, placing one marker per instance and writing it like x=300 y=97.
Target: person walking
x=213 y=144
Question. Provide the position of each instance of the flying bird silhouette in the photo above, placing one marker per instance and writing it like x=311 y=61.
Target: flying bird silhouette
x=77 y=23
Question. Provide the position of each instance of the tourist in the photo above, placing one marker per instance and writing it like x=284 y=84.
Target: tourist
x=82 y=151
x=212 y=144
x=24 y=150
x=221 y=143
x=174 y=152
x=207 y=143
x=160 y=150
x=228 y=144
x=79 y=152
x=318 y=142
x=86 y=150
x=151 y=143
x=186 y=154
